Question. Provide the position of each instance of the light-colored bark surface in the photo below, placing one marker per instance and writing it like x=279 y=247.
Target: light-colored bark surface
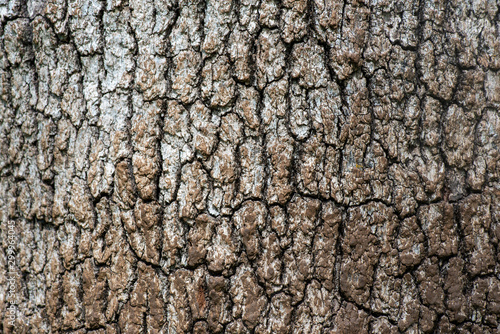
x=250 y=166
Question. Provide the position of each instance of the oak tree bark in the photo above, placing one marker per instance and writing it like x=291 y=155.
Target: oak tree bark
x=249 y=166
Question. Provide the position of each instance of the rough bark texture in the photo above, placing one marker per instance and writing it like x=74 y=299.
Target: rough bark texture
x=250 y=166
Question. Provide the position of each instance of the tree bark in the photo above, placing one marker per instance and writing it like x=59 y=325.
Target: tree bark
x=190 y=166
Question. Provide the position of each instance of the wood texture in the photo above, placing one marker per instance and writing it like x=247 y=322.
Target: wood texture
x=250 y=166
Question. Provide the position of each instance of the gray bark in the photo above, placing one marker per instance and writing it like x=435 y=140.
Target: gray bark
x=249 y=166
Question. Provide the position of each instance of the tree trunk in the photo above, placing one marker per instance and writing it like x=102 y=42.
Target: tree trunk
x=191 y=166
